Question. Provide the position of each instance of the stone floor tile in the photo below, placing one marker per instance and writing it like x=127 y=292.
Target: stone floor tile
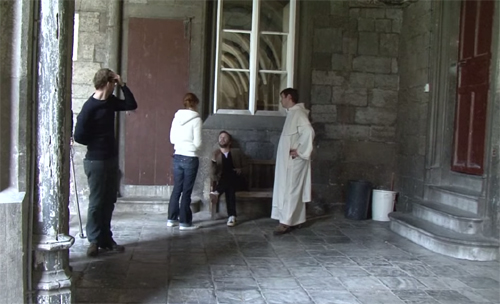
x=449 y=271
x=491 y=271
x=333 y=297
x=251 y=240
x=191 y=296
x=151 y=257
x=478 y=297
x=300 y=261
x=441 y=283
x=291 y=252
x=385 y=271
x=480 y=282
x=327 y=231
x=361 y=253
x=491 y=295
x=143 y=295
x=417 y=270
x=257 y=253
x=327 y=283
x=107 y=266
x=189 y=259
x=254 y=244
x=236 y=283
x=401 y=283
x=233 y=259
x=225 y=271
x=318 y=272
x=203 y=283
x=239 y=296
x=311 y=240
x=325 y=253
x=101 y=280
x=249 y=264
x=277 y=283
x=270 y=272
x=349 y=271
x=414 y=295
x=97 y=295
x=449 y=297
x=377 y=297
x=362 y=283
x=145 y=280
x=371 y=261
x=263 y=262
x=189 y=271
x=336 y=261
x=294 y=296
x=304 y=233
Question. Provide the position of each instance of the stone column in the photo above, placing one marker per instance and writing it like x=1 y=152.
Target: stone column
x=51 y=241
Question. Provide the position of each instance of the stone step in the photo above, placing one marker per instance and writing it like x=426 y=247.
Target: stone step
x=442 y=240
x=456 y=197
x=448 y=217
x=149 y=204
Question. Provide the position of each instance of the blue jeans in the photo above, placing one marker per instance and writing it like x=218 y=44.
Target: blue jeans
x=185 y=170
x=102 y=176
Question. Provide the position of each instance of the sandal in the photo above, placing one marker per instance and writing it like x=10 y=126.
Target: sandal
x=282 y=229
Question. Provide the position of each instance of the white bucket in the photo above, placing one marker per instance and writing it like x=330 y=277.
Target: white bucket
x=382 y=204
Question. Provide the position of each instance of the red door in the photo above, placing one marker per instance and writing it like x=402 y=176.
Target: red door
x=473 y=84
x=158 y=75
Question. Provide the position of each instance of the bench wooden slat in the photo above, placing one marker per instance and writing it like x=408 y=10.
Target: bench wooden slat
x=260 y=181
x=254 y=194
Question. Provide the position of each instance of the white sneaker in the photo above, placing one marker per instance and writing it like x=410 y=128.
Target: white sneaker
x=172 y=223
x=188 y=228
x=231 y=221
x=214 y=193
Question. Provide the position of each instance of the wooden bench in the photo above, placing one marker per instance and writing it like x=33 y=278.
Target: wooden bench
x=260 y=180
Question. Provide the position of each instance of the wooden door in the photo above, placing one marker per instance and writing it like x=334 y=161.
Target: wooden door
x=476 y=23
x=158 y=75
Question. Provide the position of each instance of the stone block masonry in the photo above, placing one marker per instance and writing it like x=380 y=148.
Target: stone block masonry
x=354 y=103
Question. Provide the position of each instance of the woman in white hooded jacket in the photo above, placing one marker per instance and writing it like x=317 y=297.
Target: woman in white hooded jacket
x=185 y=135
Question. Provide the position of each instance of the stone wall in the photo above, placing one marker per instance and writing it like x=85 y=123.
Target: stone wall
x=354 y=94
x=494 y=160
x=413 y=102
x=16 y=46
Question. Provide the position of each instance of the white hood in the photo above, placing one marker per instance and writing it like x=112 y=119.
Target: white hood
x=182 y=117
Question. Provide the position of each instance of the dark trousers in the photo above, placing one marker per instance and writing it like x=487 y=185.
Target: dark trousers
x=228 y=187
x=102 y=176
x=185 y=170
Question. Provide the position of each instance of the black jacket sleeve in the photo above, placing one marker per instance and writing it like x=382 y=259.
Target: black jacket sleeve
x=80 y=135
x=126 y=104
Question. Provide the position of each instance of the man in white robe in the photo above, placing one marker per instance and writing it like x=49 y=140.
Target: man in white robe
x=292 y=179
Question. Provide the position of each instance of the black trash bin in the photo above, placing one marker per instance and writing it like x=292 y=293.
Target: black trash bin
x=358 y=199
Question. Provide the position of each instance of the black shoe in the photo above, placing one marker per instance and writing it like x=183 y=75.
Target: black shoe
x=93 y=250
x=113 y=246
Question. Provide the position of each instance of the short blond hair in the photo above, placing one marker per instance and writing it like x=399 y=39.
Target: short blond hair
x=102 y=77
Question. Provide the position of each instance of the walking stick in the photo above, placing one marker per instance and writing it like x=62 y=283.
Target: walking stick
x=82 y=236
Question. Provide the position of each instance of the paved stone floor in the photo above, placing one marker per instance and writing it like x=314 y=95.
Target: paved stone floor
x=331 y=260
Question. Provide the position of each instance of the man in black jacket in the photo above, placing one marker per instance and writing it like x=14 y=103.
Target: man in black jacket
x=95 y=128
x=225 y=172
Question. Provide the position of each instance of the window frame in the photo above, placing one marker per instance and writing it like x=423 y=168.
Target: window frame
x=253 y=70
